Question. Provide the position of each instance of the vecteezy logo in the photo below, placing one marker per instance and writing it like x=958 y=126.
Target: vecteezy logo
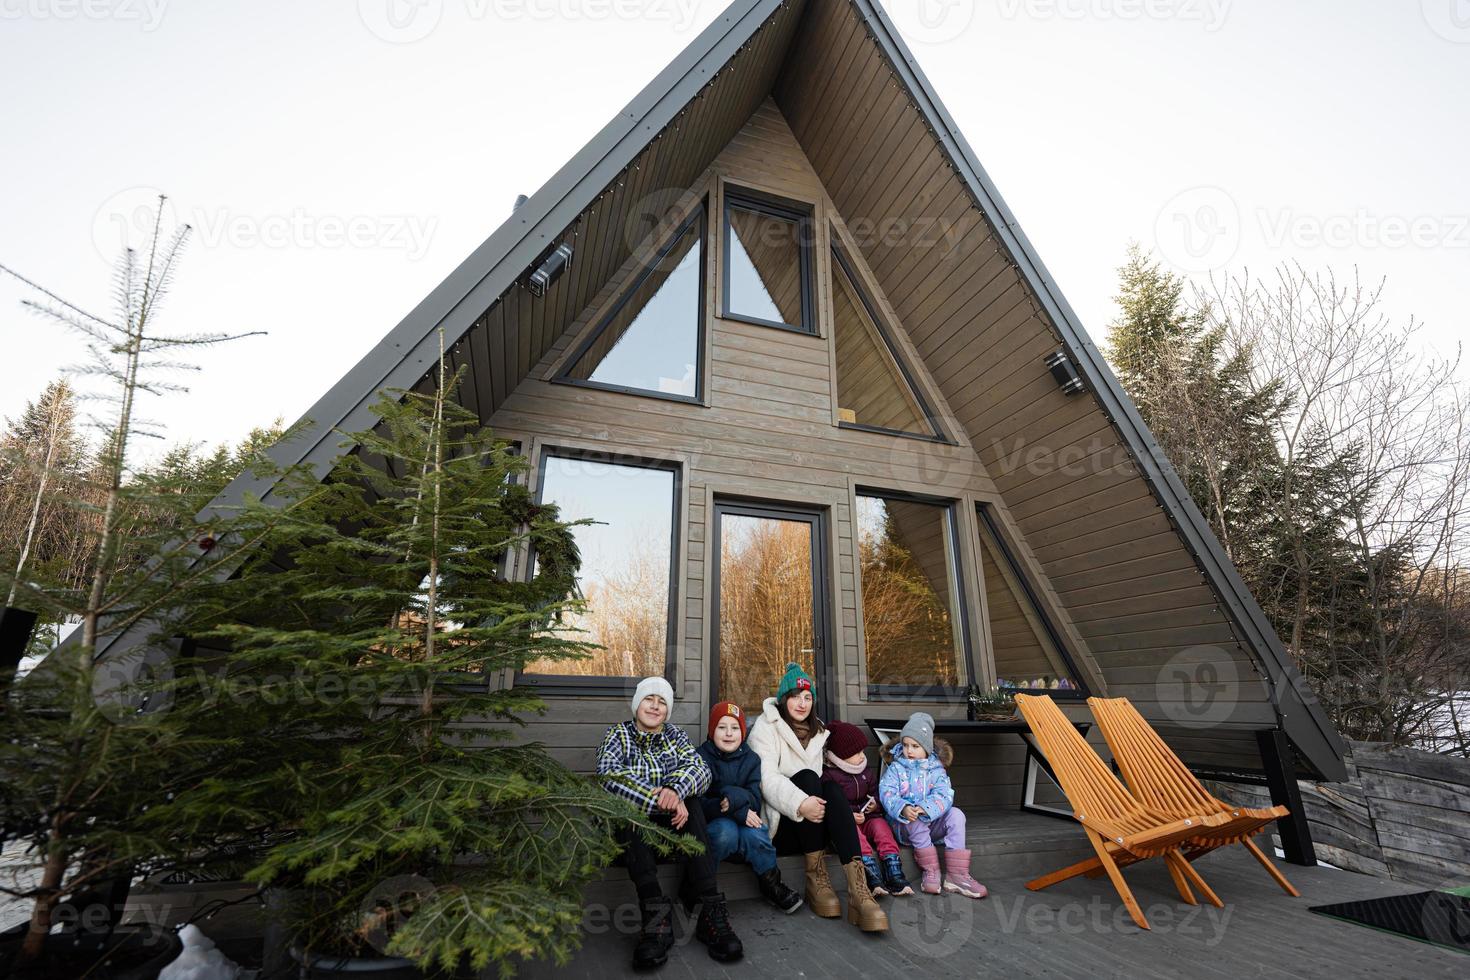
x=652 y=211
x=1450 y=19
x=1445 y=914
x=388 y=903
x=400 y=21
x=1199 y=687
x=126 y=219
x=930 y=21
x=934 y=927
x=1198 y=230
x=135 y=686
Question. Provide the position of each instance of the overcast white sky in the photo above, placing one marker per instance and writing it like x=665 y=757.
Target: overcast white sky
x=1221 y=133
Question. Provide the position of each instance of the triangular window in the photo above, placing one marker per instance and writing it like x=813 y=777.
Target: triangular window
x=874 y=390
x=1029 y=652
x=650 y=343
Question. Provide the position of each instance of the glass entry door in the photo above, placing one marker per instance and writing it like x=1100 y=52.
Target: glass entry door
x=770 y=603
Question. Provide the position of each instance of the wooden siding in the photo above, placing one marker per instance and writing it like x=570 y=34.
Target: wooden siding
x=1081 y=512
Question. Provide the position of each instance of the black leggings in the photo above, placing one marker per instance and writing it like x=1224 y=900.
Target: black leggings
x=642 y=861
x=837 y=827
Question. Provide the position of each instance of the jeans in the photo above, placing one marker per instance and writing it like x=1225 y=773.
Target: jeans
x=947 y=829
x=728 y=839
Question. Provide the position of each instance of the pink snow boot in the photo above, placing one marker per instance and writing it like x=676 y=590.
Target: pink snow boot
x=957 y=874
x=928 y=859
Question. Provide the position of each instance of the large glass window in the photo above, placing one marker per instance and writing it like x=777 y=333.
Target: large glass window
x=627 y=561
x=913 y=621
x=1029 y=654
x=767 y=262
x=650 y=342
x=874 y=390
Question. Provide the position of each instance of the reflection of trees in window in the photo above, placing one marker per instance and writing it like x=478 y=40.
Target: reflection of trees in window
x=626 y=562
x=765 y=604
x=906 y=562
x=627 y=614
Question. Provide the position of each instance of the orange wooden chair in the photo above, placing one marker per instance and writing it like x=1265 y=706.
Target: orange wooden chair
x=1161 y=781
x=1122 y=830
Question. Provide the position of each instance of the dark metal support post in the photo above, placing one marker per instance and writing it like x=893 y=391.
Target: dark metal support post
x=16 y=627
x=1276 y=759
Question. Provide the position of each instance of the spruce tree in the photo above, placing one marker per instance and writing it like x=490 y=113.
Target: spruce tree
x=1197 y=397
x=367 y=631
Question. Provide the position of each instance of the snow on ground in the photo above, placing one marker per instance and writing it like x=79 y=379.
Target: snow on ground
x=14 y=873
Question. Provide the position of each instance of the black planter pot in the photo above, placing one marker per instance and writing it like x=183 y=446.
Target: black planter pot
x=327 y=967
x=130 y=953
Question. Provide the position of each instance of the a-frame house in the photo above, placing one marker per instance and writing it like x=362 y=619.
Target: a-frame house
x=833 y=408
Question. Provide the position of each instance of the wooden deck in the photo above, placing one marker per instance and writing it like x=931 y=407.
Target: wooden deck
x=1078 y=929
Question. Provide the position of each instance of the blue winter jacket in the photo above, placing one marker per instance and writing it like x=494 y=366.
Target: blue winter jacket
x=922 y=782
x=737 y=775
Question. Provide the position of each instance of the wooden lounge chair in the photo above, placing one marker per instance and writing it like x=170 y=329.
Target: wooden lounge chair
x=1161 y=781
x=1121 y=830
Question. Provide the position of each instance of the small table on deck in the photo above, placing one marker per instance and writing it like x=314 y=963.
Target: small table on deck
x=886 y=728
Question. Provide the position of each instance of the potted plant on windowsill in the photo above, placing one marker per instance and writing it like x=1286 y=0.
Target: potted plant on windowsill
x=990 y=704
x=419 y=826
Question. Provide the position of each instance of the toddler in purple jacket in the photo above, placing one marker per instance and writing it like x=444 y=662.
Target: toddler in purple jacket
x=916 y=792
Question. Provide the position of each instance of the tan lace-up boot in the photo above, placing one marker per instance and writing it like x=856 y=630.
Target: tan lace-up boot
x=862 y=907
x=819 y=893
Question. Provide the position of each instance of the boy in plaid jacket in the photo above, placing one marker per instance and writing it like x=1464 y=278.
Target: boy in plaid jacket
x=654 y=765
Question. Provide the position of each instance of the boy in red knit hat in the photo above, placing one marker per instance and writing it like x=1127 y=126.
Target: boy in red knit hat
x=732 y=804
x=847 y=766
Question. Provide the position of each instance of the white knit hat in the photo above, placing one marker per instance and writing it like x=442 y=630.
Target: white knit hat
x=653 y=685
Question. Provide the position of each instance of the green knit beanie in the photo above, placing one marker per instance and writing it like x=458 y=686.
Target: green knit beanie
x=795 y=679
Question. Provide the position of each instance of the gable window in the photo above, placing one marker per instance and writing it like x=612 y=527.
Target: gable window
x=913 y=611
x=1029 y=652
x=628 y=561
x=767 y=272
x=651 y=341
x=875 y=391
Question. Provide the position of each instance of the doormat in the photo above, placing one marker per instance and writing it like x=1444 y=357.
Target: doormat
x=1439 y=918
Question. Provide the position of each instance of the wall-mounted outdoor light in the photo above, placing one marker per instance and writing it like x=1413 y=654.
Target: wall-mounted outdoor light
x=1065 y=372
x=549 y=271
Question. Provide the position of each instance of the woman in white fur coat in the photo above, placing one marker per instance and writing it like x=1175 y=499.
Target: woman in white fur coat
x=804 y=813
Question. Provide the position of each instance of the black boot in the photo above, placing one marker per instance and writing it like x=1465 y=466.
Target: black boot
x=656 y=937
x=713 y=929
x=875 y=876
x=776 y=891
x=894 y=881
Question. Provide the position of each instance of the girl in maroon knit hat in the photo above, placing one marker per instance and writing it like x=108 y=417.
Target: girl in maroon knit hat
x=847 y=766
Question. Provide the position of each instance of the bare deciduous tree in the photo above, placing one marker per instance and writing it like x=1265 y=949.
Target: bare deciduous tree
x=1368 y=495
